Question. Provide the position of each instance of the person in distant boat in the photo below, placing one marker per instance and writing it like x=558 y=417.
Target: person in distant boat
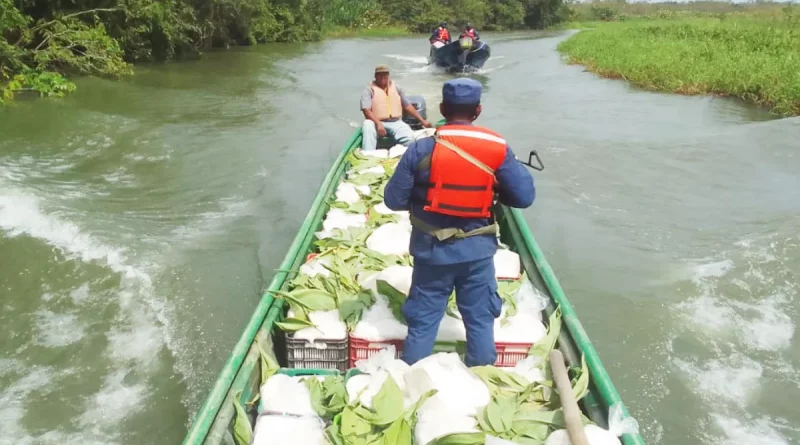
x=440 y=36
x=449 y=183
x=382 y=103
x=469 y=31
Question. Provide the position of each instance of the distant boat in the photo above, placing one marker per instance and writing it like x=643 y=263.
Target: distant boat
x=462 y=55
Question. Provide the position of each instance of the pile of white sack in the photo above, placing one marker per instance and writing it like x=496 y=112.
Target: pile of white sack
x=460 y=397
x=286 y=416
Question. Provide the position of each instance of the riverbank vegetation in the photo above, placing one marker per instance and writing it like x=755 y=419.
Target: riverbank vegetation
x=44 y=42
x=751 y=51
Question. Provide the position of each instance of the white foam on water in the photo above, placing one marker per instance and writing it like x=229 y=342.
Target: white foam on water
x=58 y=330
x=143 y=158
x=115 y=401
x=120 y=176
x=12 y=397
x=743 y=310
x=735 y=379
x=756 y=432
x=80 y=294
x=212 y=222
x=412 y=59
x=135 y=345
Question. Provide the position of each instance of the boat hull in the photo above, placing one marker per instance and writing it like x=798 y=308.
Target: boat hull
x=453 y=59
x=239 y=381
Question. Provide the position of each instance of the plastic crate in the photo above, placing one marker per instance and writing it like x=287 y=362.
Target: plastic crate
x=319 y=354
x=508 y=354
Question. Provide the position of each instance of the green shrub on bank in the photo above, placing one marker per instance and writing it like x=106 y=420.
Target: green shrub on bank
x=755 y=59
x=41 y=42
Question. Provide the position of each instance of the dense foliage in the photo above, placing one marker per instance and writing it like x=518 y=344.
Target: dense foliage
x=748 y=52
x=41 y=40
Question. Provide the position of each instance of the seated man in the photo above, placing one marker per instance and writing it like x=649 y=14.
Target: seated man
x=382 y=103
x=469 y=31
x=440 y=36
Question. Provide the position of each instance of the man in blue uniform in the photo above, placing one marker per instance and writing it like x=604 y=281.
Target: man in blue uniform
x=456 y=252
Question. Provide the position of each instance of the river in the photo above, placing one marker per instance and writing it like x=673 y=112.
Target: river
x=140 y=218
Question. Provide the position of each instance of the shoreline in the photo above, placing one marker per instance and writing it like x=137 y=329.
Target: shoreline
x=750 y=58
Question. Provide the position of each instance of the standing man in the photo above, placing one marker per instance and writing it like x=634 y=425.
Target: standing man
x=382 y=103
x=448 y=183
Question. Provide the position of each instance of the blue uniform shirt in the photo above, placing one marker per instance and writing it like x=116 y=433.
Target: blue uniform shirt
x=515 y=189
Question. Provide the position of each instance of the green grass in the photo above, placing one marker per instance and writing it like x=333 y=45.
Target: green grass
x=754 y=57
x=382 y=31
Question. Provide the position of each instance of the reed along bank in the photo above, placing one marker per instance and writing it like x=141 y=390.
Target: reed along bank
x=754 y=57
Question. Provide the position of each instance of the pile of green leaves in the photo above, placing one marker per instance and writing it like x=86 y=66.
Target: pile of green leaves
x=521 y=411
x=346 y=256
x=387 y=422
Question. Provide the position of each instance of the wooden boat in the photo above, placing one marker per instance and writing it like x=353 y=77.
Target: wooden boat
x=239 y=381
x=460 y=56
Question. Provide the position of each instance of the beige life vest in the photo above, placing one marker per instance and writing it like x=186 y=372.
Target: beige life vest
x=386 y=105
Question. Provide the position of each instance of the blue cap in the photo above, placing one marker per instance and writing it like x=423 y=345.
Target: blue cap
x=462 y=91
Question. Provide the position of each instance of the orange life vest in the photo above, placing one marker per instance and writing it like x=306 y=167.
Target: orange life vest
x=458 y=187
x=386 y=104
x=443 y=35
x=470 y=33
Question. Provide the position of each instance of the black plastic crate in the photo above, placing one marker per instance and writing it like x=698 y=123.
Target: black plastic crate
x=321 y=354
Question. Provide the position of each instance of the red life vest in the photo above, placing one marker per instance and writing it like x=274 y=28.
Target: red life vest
x=457 y=186
x=443 y=34
x=470 y=33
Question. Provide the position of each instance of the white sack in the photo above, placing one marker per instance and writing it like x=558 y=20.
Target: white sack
x=284 y=394
x=398 y=276
x=286 y=430
x=339 y=219
x=346 y=192
x=378 y=323
x=327 y=325
x=506 y=264
x=390 y=239
x=397 y=150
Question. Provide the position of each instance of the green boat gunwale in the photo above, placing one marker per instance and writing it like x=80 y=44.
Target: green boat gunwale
x=240 y=374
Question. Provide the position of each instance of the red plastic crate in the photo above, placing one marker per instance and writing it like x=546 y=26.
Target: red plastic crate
x=508 y=354
x=361 y=349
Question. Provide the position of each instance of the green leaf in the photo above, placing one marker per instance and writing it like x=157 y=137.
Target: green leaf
x=460 y=439
x=387 y=404
x=310 y=299
x=410 y=413
x=353 y=425
x=359 y=207
x=395 y=297
x=366 y=179
x=542 y=349
x=399 y=432
x=554 y=418
x=452 y=306
x=293 y=324
x=242 y=431
x=327 y=397
x=269 y=366
x=581 y=386
x=497 y=378
x=532 y=430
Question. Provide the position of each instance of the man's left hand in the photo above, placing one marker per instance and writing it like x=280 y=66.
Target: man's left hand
x=426 y=124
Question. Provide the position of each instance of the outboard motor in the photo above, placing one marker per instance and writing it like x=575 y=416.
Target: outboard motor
x=465 y=44
x=419 y=104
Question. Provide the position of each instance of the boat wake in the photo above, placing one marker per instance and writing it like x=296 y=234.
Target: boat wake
x=742 y=315
x=140 y=330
